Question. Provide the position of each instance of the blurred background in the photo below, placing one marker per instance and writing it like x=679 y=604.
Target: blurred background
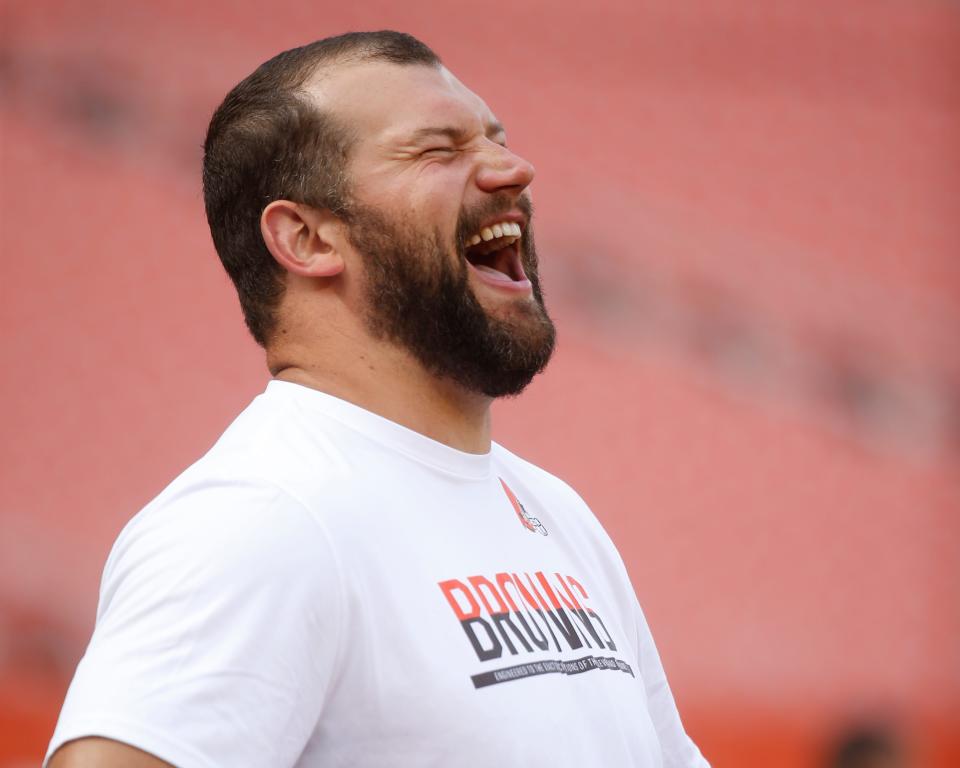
x=749 y=222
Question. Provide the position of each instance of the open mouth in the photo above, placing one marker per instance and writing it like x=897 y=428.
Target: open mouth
x=495 y=252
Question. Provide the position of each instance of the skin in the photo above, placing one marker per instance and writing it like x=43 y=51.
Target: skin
x=428 y=180
x=322 y=340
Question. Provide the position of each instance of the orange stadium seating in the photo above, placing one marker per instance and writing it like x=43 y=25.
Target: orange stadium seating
x=747 y=217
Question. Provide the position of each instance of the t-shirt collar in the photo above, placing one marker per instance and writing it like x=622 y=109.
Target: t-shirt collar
x=381 y=430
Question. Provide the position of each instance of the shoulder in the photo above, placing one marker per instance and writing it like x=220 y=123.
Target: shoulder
x=550 y=488
x=533 y=473
x=201 y=510
x=275 y=441
x=218 y=591
x=218 y=534
x=557 y=498
x=268 y=464
x=563 y=503
x=259 y=499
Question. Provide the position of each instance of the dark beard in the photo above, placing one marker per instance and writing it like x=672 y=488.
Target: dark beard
x=422 y=301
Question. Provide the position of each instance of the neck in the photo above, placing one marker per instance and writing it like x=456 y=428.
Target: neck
x=387 y=381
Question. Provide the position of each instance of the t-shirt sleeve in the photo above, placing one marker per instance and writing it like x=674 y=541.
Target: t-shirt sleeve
x=678 y=749
x=217 y=631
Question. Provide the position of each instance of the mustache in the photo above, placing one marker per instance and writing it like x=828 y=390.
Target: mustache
x=500 y=203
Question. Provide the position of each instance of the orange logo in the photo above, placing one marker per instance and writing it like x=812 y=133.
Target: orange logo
x=530 y=523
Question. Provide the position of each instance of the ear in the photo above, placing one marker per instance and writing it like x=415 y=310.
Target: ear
x=303 y=240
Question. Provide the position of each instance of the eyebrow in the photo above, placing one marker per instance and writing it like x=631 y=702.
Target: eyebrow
x=454 y=133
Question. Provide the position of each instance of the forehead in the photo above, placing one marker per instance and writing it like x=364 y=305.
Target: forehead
x=387 y=103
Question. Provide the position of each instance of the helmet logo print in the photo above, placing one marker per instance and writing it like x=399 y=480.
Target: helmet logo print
x=529 y=522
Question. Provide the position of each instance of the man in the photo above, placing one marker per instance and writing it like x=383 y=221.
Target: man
x=354 y=574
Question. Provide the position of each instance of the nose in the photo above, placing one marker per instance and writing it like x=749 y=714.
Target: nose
x=502 y=169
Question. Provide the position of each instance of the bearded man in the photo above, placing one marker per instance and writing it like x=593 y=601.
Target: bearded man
x=354 y=574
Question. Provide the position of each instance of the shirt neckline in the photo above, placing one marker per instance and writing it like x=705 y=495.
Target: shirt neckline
x=413 y=444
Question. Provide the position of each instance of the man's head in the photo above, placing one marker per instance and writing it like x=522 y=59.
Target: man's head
x=364 y=146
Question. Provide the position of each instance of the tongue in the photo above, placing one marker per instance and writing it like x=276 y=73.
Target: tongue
x=491 y=271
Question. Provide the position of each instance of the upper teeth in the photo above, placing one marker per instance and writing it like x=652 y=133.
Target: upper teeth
x=501 y=229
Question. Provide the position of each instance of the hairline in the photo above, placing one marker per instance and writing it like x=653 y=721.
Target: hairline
x=276 y=124
x=300 y=89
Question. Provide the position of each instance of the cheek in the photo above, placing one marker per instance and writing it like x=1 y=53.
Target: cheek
x=443 y=189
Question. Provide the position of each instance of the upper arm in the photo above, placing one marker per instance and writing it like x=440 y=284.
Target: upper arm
x=679 y=751
x=97 y=752
x=217 y=635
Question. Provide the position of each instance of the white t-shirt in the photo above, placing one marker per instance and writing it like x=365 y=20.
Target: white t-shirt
x=328 y=588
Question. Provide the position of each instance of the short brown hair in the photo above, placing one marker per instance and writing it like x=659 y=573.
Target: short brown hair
x=267 y=142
